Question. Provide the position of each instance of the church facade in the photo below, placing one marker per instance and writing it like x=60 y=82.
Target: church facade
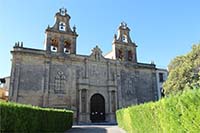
x=93 y=86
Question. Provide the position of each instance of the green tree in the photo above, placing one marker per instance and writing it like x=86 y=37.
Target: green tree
x=184 y=72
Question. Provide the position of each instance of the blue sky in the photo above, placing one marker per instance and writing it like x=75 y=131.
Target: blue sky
x=162 y=29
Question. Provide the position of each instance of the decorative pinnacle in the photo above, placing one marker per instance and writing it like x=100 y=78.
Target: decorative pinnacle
x=123 y=24
x=74 y=28
x=63 y=11
x=115 y=36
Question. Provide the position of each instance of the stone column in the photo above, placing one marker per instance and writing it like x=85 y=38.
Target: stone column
x=61 y=46
x=47 y=64
x=87 y=108
x=74 y=45
x=118 y=86
x=48 y=45
x=86 y=101
x=80 y=106
x=110 y=101
x=108 y=71
x=135 y=55
x=116 y=101
x=84 y=110
x=126 y=54
x=86 y=68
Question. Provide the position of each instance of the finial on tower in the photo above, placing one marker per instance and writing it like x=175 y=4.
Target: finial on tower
x=74 y=28
x=115 y=38
x=63 y=11
x=123 y=24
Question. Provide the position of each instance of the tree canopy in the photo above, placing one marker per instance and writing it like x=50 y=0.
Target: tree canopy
x=184 y=72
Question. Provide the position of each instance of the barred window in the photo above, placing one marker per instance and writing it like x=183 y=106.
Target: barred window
x=59 y=83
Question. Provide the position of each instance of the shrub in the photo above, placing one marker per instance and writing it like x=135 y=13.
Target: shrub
x=26 y=118
x=178 y=113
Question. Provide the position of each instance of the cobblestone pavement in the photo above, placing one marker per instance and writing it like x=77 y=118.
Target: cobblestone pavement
x=96 y=129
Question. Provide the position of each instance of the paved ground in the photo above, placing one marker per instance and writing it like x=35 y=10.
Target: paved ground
x=95 y=129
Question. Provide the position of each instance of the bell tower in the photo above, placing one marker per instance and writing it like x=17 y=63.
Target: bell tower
x=60 y=37
x=123 y=47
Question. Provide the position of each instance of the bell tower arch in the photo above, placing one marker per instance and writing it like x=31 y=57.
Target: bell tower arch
x=60 y=37
x=123 y=47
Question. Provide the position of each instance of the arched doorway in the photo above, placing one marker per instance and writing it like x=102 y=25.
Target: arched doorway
x=97 y=108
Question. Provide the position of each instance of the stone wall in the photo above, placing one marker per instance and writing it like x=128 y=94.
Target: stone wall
x=69 y=81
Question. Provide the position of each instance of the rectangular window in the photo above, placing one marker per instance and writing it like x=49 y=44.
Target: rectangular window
x=161 y=79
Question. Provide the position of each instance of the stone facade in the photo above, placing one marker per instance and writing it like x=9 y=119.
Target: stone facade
x=93 y=86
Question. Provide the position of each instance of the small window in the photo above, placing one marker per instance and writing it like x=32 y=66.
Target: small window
x=161 y=79
x=124 y=38
x=62 y=26
x=66 y=50
x=53 y=48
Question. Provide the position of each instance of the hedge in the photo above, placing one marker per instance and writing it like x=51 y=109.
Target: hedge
x=180 y=113
x=31 y=119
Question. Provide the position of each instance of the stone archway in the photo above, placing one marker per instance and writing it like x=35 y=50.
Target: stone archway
x=97 y=108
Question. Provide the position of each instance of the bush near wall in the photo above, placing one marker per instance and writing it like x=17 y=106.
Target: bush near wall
x=180 y=113
x=26 y=118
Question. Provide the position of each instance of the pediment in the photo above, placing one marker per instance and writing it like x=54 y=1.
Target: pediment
x=96 y=55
